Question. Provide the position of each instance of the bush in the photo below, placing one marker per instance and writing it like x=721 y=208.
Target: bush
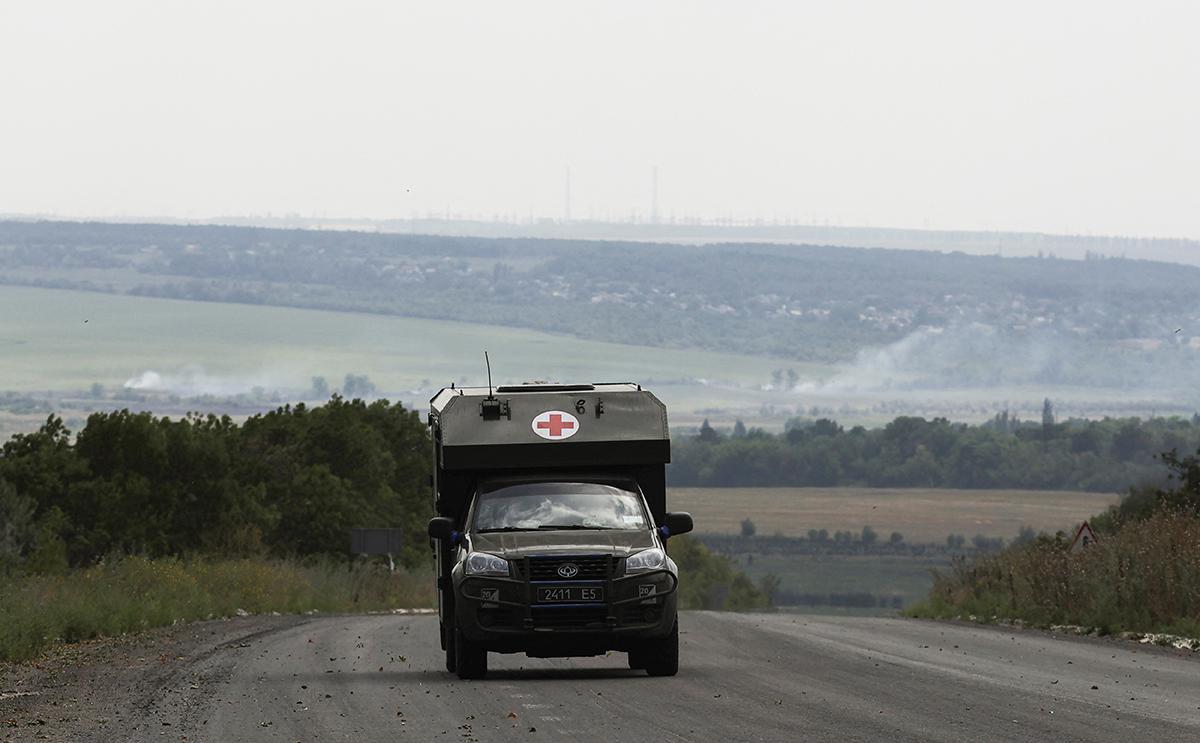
x=708 y=581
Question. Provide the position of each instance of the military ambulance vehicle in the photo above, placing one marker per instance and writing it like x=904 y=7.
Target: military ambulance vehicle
x=552 y=524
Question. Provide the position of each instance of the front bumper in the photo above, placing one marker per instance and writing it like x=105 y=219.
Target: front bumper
x=502 y=614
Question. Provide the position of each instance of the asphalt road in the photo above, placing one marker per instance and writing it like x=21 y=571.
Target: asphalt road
x=764 y=677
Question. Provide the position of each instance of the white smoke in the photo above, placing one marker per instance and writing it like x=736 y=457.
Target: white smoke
x=971 y=355
x=196 y=382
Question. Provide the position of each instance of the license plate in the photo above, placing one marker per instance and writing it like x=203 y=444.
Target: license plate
x=569 y=594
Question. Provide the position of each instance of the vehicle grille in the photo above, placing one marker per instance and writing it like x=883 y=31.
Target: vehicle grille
x=569 y=616
x=591 y=567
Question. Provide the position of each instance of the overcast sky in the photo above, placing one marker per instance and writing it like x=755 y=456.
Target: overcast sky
x=1076 y=117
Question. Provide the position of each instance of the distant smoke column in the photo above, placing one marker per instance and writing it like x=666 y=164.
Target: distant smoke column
x=654 y=195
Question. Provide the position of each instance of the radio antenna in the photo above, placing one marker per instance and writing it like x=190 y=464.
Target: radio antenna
x=488 y=361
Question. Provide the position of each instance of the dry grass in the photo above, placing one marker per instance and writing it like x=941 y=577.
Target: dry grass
x=921 y=515
x=133 y=593
x=1143 y=578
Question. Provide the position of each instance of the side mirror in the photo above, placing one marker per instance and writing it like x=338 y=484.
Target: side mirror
x=676 y=523
x=441 y=527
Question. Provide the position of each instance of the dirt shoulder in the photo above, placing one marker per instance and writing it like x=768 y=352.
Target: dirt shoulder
x=123 y=688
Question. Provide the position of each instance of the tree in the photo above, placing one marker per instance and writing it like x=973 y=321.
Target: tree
x=825 y=427
x=748 y=528
x=985 y=543
x=739 y=429
x=896 y=539
x=769 y=585
x=869 y=536
x=1025 y=535
x=708 y=433
x=1047 y=419
x=16 y=524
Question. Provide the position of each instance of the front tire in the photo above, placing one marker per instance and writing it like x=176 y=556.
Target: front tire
x=662 y=657
x=448 y=643
x=470 y=657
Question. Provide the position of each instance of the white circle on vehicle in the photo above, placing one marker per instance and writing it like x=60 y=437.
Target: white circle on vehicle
x=555 y=425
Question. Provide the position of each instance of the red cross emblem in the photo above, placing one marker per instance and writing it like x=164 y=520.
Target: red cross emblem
x=555 y=425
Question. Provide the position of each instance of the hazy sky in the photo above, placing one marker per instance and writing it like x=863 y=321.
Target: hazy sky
x=1080 y=117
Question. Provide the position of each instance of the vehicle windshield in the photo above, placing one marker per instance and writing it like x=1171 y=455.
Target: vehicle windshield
x=558 y=505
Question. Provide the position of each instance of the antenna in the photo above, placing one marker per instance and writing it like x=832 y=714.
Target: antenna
x=488 y=361
x=491 y=409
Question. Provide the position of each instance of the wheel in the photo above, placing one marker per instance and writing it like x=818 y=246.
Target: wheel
x=470 y=658
x=448 y=643
x=637 y=659
x=662 y=656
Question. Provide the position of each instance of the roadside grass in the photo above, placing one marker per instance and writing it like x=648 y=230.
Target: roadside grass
x=131 y=594
x=1145 y=577
x=921 y=514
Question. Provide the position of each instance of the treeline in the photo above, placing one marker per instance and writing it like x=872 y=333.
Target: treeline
x=289 y=482
x=1106 y=455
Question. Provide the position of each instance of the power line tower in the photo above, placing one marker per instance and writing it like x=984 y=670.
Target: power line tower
x=654 y=195
x=567 y=196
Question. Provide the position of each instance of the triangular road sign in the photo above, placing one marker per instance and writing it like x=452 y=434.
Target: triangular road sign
x=1084 y=537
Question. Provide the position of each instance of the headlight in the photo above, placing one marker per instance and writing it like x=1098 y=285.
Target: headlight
x=481 y=563
x=651 y=559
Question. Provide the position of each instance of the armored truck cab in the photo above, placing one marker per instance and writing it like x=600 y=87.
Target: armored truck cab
x=551 y=524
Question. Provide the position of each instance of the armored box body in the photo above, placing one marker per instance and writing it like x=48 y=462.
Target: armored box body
x=547 y=430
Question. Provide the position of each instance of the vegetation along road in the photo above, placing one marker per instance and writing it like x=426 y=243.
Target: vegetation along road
x=745 y=677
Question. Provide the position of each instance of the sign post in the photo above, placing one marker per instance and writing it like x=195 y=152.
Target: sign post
x=377 y=542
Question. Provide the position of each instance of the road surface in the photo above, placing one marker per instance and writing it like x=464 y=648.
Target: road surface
x=743 y=677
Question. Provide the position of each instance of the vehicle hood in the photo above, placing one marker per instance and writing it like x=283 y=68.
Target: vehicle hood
x=515 y=545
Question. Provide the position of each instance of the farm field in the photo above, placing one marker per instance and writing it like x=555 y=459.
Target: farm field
x=67 y=340
x=921 y=515
x=905 y=576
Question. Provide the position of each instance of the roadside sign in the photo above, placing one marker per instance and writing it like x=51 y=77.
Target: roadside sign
x=377 y=542
x=1084 y=537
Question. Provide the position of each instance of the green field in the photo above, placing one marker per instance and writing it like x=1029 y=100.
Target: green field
x=920 y=514
x=61 y=342
x=66 y=340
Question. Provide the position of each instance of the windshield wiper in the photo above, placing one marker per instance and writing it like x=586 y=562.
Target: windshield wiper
x=556 y=527
x=504 y=528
